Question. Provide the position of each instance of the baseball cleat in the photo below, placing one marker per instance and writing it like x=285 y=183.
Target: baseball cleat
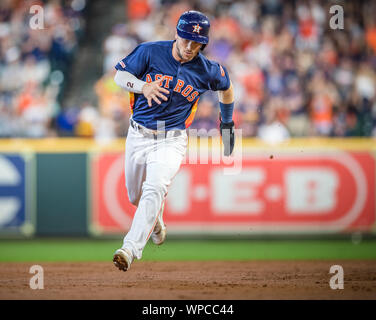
x=122 y=259
x=159 y=233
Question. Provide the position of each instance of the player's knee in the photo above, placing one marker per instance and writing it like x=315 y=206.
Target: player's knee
x=154 y=190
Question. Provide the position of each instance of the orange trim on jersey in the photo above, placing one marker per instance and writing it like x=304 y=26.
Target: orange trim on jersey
x=131 y=101
x=189 y=120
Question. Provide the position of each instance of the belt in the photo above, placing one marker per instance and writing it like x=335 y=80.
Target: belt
x=154 y=134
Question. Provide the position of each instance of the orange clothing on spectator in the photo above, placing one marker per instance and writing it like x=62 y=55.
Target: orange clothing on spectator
x=28 y=97
x=321 y=109
x=226 y=27
x=138 y=9
x=175 y=12
x=25 y=99
x=253 y=82
x=371 y=38
x=307 y=28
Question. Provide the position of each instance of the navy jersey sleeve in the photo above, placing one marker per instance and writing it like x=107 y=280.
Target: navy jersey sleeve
x=220 y=80
x=136 y=62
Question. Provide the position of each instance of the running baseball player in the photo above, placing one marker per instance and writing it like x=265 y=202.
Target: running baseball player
x=165 y=80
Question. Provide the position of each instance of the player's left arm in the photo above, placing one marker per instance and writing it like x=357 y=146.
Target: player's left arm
x=227 y=126
x=226 y=96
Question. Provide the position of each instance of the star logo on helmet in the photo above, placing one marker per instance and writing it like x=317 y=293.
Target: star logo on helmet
x=197 y=28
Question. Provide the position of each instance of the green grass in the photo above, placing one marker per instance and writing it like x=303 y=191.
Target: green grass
x=42 y=250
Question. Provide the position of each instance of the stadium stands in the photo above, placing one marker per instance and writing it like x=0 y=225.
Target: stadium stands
x=293 y=74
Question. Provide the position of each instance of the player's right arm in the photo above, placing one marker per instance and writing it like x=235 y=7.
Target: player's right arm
x=151 y=91
x=130 y=71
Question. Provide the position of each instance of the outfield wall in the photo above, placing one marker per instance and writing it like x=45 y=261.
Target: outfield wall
x=57 y=187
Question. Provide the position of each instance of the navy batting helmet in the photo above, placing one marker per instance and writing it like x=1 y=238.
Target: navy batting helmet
x=194 y=25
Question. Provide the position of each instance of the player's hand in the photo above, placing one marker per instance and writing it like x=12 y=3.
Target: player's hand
x=154 y=91
x=227 y=131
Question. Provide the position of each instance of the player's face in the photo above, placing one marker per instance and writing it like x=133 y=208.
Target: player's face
x=187 y=49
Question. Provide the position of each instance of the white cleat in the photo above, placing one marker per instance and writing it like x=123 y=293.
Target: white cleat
x=123 y=259
x=159 y=233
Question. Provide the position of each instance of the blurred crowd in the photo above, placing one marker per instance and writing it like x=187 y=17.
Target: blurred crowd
x=36 y=50
x=292 y=73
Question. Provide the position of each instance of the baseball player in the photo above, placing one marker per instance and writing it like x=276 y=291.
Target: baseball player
x=165 y=80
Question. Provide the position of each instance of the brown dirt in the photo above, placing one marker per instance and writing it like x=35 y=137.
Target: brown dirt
x=191 y=280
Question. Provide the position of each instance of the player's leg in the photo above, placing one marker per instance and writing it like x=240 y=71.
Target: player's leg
x=136 y=149
x=135 y=164
x=163 y=164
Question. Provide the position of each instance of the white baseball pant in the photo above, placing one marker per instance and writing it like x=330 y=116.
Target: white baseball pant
x=150 y=166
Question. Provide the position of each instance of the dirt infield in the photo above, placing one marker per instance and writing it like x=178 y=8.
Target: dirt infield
x=191 y=280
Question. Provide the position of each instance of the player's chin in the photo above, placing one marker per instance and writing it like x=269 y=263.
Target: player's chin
x=188 y=55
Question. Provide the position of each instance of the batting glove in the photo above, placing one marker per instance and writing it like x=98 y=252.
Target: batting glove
x=227 y=131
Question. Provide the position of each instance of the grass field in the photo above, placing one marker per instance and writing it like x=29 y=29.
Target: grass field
x=40 y=250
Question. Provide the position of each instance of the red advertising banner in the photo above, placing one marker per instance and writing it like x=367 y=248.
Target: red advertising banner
x=331 y=191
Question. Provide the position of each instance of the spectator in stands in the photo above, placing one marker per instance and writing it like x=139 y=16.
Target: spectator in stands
x=272 y=130
x=29 y=58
